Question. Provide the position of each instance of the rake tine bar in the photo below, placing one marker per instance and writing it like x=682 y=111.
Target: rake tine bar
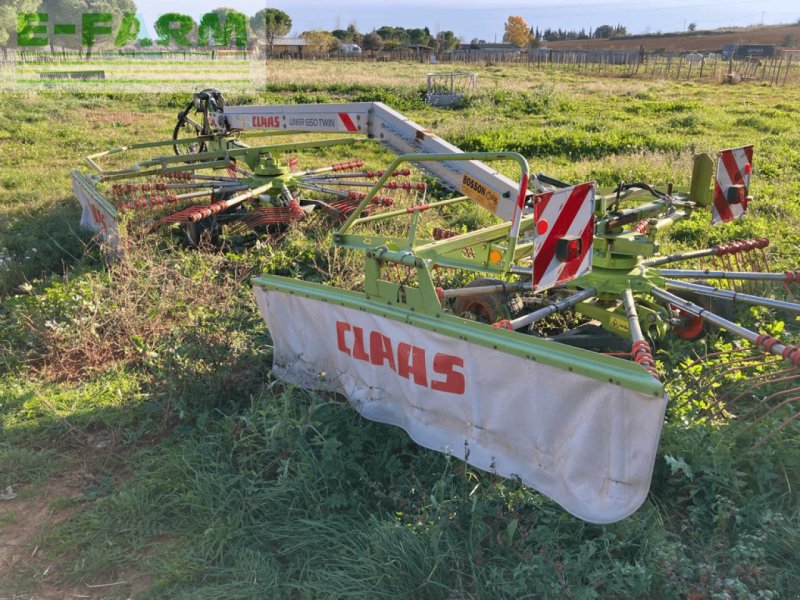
x=732 y=296
x=787 y=276
x=345 y=166
x=760 y=340
x=783 y=424
x=733 y=247
x=641 y=353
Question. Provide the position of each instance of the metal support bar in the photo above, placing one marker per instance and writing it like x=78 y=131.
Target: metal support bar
x=633 y=317
x=477 y=290
x=765 y=342
x=683 y=274
x=655 y=262
x=732 y=296
x=464 y=156
x=559 y=306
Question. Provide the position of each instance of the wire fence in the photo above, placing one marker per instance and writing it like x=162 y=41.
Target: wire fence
x=781 y=69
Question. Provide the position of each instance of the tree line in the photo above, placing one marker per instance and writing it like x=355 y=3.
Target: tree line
x=34 y=23
x=228 y=27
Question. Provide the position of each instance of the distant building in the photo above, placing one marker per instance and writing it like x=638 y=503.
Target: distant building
x=287 y=47
x=423 y=53
x=744 y=51
x=351 y=48
x=486 y=47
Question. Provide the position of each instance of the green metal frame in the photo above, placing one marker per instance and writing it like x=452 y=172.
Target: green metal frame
x=494 y=250
x=218 y=158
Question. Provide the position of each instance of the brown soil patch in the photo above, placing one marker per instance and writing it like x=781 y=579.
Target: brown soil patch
x=109 y=117
x=24 y=518
x=702 y=42
x=26 y=571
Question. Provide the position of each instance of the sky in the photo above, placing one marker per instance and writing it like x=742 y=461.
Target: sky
x=484 y=19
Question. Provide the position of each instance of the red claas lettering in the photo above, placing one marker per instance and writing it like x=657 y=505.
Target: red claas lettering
x=408 y=361
x=261 y=121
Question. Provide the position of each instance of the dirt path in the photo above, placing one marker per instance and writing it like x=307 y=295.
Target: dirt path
x=29 y=572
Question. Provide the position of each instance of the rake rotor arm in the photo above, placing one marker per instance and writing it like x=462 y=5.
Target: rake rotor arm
x=640 y=351
x=727 y=248
x=556 y=307
x=732 y=296
x=760 y=340
x=743 y=275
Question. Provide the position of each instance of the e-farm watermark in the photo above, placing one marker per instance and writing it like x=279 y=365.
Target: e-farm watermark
x=35 y=30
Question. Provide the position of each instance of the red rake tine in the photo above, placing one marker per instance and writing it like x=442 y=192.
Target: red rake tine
x=722 y=403
x=719 y=400
x=765 y=376
x=775 y=408
x=713 y=376
x=780 y=427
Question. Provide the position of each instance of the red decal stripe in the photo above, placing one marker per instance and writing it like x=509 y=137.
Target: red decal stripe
x=541 y=202
x=732 y=167
x=348 y=122
x=523 y=191
x=721 y=204
x=559 y=230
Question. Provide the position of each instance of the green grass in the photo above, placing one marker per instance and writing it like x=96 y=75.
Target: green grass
x=223 y=483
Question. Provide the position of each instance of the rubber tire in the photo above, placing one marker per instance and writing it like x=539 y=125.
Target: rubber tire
x=487 y=308
x=697 y=327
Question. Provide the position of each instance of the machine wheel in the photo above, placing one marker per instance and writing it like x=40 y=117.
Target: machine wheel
x=485 y=308
x=193 y=121
x=693 y=328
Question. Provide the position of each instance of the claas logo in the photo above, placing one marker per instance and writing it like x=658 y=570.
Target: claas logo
x=442 y=372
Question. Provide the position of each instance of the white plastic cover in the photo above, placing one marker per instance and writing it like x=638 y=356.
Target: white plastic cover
x=94 y=216
x=588 y=445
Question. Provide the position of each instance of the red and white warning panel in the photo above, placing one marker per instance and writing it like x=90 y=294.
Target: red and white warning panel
x=563 y=235
x=732 y=184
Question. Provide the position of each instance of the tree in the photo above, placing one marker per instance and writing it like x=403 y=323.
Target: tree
x=320 y=41
x=352 y=31
x=9 y=10
x=692 y=27
x=420 y=37
x=446 y=41
x=221 y=26
x=517 y=32
x=270 y=24
x=97 y=21
x=372 y=42
x=603 y=32
x=178 y=28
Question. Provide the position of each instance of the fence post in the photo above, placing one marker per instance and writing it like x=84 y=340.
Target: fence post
x=788 y=68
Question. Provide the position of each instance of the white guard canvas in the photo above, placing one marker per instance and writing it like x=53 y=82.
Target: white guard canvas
x=95 y=217
x=588 y=445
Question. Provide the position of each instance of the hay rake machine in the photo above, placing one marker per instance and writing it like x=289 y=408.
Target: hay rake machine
x=542 y=368
x=214 y=180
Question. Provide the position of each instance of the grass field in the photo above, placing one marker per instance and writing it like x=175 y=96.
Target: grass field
x=152 y=454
